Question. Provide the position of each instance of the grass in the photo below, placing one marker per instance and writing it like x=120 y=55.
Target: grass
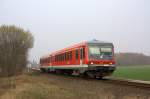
x=43 y=91
x=40 y=86
x=34 y=86
x=133 y=72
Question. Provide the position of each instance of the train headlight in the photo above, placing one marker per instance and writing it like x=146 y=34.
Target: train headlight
x=110 y=63
x=92 y=63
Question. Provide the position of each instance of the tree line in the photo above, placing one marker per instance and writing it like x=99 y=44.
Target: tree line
x=128 y=59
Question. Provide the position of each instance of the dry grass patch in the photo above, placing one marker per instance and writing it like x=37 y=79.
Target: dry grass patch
x=32 y=87
x=41 y=86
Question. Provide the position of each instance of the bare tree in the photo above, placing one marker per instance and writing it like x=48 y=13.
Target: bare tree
x=14 y=46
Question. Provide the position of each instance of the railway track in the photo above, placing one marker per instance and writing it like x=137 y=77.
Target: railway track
x=127 y=82
x=116 y=81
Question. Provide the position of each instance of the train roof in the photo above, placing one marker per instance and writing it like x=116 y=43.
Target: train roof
x=76 y=45
x=98 y=42
x=44 y=56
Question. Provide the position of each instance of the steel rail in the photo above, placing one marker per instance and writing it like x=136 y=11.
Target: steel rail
x=116 y=81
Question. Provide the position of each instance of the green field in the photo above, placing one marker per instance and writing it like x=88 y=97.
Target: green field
x=133 y=72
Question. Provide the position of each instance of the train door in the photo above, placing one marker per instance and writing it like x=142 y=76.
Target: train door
x=81 y=56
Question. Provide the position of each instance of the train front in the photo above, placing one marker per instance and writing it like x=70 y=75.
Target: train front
x=101 y=60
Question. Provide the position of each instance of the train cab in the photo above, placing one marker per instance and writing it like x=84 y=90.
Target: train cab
x=100 y=58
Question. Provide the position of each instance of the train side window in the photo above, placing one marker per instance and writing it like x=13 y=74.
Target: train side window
x=49 y=59
x=59 y=57
x=55 y=58
x=70 y=55
x=81 y=53
x=77 y=54
x=62 y=57
x=46 y=60
x=65 y=56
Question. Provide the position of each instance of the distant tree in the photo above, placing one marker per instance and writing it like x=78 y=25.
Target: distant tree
x=128 y=59
x=14 y=46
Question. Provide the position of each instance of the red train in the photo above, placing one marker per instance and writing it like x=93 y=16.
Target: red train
x=92 y=58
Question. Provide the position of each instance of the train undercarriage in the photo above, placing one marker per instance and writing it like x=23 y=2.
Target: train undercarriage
x=92 y=72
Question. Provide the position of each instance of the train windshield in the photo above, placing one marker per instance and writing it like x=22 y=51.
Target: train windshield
x=100 y=52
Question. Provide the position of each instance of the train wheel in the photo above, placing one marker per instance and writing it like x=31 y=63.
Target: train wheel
x=83 y=75
x=48 y=70
x=76 y=72
x=58 y=71
x=42 y=70
x=99 y=77
x=90 y=74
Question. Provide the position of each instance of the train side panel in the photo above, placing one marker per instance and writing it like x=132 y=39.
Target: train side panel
x=76 y=58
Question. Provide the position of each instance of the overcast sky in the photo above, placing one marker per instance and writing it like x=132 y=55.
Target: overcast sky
x=56 y=24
